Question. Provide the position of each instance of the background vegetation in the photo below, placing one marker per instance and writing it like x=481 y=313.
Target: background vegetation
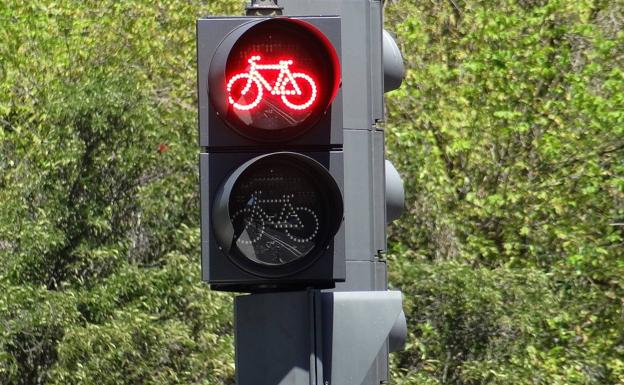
x=509 y=133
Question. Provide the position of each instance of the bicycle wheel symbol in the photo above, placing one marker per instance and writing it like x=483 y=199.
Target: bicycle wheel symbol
x=308 y=220
x=244 y=87
x=249 y=225
x=307 y=87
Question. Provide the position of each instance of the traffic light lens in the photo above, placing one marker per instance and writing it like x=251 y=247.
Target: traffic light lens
x=277 y=212
x=274 y=80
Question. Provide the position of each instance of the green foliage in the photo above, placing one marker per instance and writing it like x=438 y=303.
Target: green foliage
x=509 y=133
x=501 y=326
x=99 y=243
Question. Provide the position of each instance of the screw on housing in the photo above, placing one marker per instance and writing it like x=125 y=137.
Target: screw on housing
x=263 y=8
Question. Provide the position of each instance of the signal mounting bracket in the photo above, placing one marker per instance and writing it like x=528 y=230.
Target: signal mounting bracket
x=263 y=8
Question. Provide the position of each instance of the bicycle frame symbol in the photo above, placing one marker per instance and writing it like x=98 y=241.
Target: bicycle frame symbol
x=290 y=220
x=286 y=85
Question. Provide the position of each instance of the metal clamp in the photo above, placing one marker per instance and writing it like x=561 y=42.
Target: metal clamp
x=263 y=8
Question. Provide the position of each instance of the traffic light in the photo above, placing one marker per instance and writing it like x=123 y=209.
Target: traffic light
x=271 y=165
x=394 y=73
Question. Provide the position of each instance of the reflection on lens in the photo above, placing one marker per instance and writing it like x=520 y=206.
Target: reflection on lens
x=277 y=212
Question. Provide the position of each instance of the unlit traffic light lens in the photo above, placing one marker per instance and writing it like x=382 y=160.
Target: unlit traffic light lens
x=282 y=209
x=277 y=212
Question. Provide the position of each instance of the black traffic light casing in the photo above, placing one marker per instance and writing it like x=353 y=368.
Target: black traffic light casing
x=237 y=229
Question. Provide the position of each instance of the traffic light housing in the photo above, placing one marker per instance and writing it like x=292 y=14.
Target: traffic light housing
x=271 y=165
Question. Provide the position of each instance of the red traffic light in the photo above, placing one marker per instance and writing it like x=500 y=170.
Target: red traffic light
x=273 y=79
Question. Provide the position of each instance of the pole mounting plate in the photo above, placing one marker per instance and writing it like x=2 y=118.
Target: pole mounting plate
x=263 y=8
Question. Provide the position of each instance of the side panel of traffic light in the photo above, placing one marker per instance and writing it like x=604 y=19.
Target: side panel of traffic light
x=271 y=167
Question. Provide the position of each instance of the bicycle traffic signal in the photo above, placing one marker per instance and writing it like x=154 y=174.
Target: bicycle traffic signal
x=271 y=167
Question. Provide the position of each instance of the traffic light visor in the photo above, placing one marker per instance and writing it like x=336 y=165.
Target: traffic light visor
x=273 y=79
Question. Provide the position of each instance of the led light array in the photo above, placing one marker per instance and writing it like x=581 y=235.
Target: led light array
x=285 y=77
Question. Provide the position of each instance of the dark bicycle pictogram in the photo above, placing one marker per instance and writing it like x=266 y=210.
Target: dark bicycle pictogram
x=270 y=218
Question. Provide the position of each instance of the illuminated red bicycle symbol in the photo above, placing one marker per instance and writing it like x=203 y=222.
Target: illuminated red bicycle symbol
x=286 y=85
